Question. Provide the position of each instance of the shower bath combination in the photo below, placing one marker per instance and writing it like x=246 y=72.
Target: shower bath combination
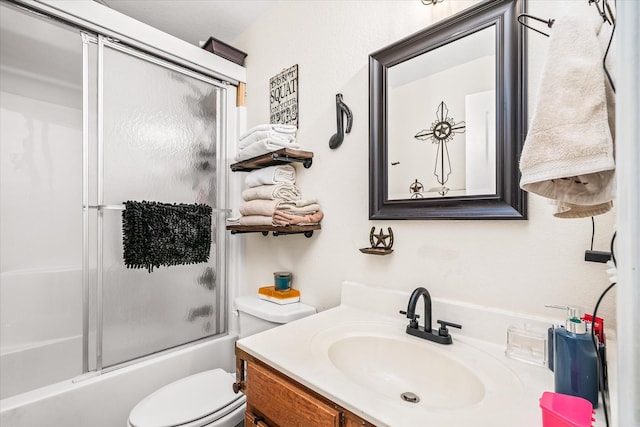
x=84 y=129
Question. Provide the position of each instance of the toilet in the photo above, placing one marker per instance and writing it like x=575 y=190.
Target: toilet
x=206 y=399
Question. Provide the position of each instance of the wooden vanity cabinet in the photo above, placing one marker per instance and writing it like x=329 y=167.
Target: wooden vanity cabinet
x=275 y=400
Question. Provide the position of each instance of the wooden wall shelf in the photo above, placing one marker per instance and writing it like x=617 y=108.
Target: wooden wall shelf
x=279 y=157
x=376 y=251
x=307 y=230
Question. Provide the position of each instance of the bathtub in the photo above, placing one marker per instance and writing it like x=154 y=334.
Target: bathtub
x=31 y=366
x=105 y=400
x=41 y=381
x=40 y=327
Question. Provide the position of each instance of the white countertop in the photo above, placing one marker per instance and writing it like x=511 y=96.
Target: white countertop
x=299 y=350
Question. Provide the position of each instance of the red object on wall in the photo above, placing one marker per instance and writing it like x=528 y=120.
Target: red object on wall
x=598 y=325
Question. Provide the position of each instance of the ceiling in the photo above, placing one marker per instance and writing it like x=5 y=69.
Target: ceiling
x=194 y=20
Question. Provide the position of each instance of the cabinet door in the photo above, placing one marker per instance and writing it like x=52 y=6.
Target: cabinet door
x=253 y=420
x=351 y=420
x=283 y=403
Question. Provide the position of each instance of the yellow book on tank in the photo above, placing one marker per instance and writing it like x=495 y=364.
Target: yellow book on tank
x=269 y=293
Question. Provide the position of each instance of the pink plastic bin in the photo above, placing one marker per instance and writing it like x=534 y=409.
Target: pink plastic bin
x=561 y=410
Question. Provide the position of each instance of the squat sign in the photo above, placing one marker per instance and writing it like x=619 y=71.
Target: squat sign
x=283 y=89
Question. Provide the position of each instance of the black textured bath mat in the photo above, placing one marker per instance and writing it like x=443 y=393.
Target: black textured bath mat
x=158 y=234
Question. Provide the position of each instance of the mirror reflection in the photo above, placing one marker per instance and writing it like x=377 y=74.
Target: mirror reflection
x=441 y=121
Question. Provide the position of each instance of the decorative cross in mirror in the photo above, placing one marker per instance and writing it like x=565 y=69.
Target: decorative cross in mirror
x=442 y=131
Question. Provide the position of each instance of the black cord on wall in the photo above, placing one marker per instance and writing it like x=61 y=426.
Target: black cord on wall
x=602 y=363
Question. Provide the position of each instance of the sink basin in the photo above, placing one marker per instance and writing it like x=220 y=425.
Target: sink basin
x=359 y=356
x=393 y=367
x=380 y=358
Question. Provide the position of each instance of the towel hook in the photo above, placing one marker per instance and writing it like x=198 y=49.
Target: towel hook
x=336 y=140
x=521 y=20
x=608 y=18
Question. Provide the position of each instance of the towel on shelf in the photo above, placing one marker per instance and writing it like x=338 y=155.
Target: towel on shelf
x=234 y=220
x=298 y=207
x=274 y=127
x=271 y=175
x=282 y=191
x=268 y=207
x=264 y=146
x=568 y=153
x=259 y=207
x=282 y=218
x=161 y=234
x=269 y=134
x=257 y=220
x=266 y=138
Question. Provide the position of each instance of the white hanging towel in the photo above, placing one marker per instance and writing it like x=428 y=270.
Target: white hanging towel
x=568 y=154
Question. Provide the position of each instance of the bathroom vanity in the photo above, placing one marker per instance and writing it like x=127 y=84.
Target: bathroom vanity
x=355 y=365
x=275 y=399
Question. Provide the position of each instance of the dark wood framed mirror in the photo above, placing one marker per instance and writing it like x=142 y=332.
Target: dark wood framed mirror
x=447 y=119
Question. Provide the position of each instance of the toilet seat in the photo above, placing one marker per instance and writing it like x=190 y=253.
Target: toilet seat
x=194 y=401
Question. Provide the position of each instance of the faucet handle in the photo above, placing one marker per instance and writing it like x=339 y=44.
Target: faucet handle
x=415 y=316
x=443 y=331
x=413 y=322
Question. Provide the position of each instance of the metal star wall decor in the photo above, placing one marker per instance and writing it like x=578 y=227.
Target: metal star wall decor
x=442 y=130
x=416 y=188
x=381 y=243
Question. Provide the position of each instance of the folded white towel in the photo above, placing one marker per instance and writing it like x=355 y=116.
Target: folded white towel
x=298 y=207
x=568 y=153
x=298 y=210
x=264 y=146
x=259 y=207
x=268 y=207
x=270 y=135
x=235 y=220
x=271 y=175
x=256 y=220
x=282 y=191
x=276 y=127
x=300 y=203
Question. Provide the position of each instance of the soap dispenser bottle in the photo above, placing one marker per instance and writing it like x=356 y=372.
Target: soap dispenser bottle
x=575 y=360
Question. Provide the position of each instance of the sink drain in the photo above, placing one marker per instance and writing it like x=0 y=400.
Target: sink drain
x=407 y=396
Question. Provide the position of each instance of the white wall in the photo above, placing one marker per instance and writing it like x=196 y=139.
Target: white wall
x=517 y=265
x=626 y=409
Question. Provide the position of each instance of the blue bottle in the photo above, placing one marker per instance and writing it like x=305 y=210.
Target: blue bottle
x=575 y=361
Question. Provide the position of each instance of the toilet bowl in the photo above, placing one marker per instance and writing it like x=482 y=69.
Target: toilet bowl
x=203 y=399
x=206 y=399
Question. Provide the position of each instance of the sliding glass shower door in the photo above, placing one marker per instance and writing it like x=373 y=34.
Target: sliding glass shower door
x=160 y=131
x=87 y=124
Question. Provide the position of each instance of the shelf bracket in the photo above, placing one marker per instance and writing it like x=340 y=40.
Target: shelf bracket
x=305 y=162
x=307 y=233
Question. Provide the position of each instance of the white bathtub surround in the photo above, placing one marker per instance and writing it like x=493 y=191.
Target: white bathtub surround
x=106 y=400
x=492 y=390
x=40 y=327
x=40 y=364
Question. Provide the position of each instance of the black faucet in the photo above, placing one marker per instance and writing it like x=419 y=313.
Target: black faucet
x=413 y=328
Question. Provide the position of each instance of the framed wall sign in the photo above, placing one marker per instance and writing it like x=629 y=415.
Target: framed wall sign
x=283 y=95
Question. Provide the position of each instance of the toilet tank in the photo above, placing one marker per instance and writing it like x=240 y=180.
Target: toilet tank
x=257 y=315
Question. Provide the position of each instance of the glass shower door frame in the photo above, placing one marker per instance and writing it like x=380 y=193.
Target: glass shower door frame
x=103 y=42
